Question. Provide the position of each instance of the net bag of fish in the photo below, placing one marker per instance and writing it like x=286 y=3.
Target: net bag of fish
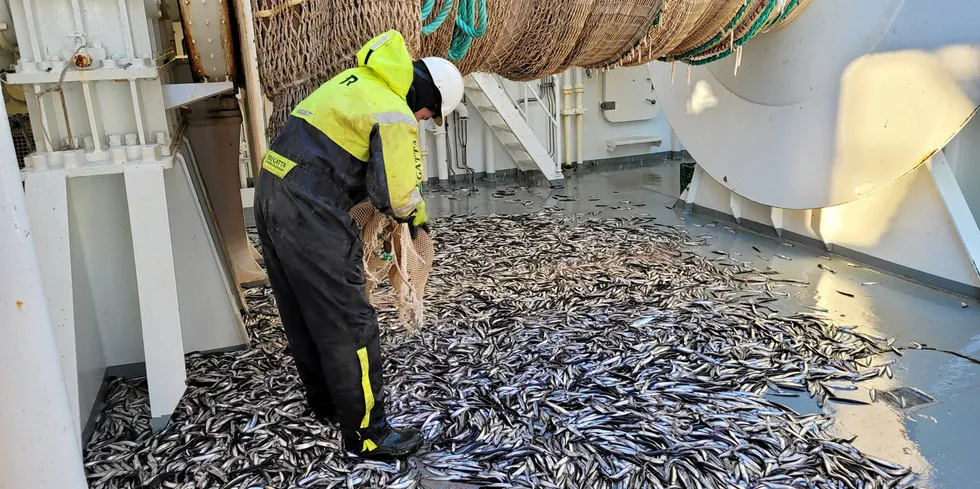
x=390 y=251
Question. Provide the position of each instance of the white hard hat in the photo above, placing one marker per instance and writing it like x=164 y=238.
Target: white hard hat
x=449 y=81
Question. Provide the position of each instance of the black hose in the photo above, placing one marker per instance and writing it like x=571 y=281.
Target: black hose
x=449 y=154
x=461 y=139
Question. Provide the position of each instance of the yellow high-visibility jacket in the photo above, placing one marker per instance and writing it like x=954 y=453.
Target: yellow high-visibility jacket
x=358 y=130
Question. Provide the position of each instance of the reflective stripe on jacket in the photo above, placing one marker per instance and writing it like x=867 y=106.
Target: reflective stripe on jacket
x=358 y=130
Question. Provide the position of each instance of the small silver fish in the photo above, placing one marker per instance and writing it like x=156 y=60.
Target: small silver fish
x=604 y=354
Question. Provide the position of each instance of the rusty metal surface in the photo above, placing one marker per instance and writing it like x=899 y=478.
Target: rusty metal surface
x=208 y=37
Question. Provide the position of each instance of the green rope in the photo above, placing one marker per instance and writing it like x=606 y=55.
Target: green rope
x=789 y=8
x=759 y=23
x=704 y=47
x=469 y=25
x=440 y=17
x=427 y=8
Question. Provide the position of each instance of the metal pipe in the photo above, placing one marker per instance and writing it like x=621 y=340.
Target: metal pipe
x=555 y=79
x=490 y=165
x=450 y=126
x=579 y=112
x=442 y=156
x=38 y=444
x=462 y=138
x=567 y=118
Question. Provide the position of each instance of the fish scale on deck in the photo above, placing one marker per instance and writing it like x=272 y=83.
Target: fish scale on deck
x=557 y=353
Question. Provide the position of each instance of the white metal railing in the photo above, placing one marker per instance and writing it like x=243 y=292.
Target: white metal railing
x=554 y=116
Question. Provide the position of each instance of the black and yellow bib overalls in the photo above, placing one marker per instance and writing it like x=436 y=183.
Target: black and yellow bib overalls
x=352 y=139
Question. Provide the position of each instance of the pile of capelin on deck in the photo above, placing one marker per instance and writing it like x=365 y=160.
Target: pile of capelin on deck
x=558 y=351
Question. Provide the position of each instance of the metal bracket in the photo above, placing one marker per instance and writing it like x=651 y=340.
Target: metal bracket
x=177 y=94
x=735 y=202
x=959 y=211
x=776 y=214
x=612 y=144
x=829 y=221
x=693 y=189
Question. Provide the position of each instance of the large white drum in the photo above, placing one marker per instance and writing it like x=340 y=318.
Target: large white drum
x=838 y=104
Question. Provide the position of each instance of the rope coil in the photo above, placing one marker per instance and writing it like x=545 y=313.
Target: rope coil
x=427 y=7
x=471 y=23
x=737 y=43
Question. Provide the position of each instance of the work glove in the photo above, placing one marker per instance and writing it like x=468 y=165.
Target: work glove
x=419 y=220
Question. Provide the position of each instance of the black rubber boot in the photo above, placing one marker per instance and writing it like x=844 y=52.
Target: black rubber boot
x=383 y=442
x=325 y=416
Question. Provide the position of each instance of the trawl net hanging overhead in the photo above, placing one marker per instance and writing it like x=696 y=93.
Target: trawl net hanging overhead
x=302 y=43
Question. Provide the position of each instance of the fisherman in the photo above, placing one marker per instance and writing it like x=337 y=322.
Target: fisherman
x=354 y=138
